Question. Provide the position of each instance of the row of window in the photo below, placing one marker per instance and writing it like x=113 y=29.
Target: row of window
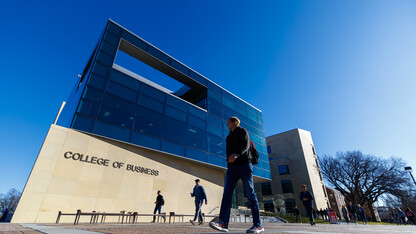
x=266 y=188
x=126 y=105
x=290 y=204
x=123 y=134
x=148 y=96
x=127 y=88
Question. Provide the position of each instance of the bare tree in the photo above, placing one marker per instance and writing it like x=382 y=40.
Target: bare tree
x=9 y=200
x=363 y=178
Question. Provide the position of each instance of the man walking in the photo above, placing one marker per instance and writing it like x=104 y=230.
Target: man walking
x=239 y=167
x=353 y=212
x=200 y=196
x=345 y=214
x=307 y=200
x=158 y=207
x=361 y=214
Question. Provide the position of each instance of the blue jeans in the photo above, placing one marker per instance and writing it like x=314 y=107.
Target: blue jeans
x=235 y=173
x=198 y=211
x=309 y=213
x=157 y=208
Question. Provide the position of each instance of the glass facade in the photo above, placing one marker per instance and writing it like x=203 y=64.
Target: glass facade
x=111 y=101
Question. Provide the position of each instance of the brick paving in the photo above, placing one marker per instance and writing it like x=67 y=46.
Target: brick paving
x=234 y=228
x=11 y=228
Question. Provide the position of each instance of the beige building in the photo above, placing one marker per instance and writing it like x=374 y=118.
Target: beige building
x=336 y=200
x=75 y=170
x=293 y=162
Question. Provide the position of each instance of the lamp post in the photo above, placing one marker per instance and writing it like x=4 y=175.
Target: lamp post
x=409 y=169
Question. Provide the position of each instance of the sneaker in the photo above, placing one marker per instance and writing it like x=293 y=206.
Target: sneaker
x=200 y=223
x=193 y=222
x=218 y=226
x=255 y=230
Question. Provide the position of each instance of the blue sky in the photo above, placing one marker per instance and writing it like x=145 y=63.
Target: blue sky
x=344 y=70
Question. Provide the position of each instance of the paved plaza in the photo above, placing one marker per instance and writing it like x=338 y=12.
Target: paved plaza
x=188 y=228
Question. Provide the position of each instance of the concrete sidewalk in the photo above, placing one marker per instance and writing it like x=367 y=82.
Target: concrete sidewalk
x=188 y=228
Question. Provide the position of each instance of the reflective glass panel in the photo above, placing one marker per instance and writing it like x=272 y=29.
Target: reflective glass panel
x=121 y=91
x=88 y=108
x=145 y=140
x=116 y=117
x=173 y=148
x=119 y=104
x=112 y=131
x=83 y=123
x=125 y=80
x=151 y=103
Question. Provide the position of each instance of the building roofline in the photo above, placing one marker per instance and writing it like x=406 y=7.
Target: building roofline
x=184 y=65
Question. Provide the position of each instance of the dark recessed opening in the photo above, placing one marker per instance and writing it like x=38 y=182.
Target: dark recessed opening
x=151 y=68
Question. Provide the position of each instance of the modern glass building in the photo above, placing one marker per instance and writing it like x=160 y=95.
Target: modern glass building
x=190 y=122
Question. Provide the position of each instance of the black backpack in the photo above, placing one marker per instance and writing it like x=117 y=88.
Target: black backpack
x=162 y=202
x=254 y=154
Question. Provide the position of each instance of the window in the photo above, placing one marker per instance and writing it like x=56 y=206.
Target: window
x=195 y=121
x=88 y=108
x=268 y=206
x=119 y=104
x=121 y=91
x=269 y=149
x=287 y=186
x=125 y=80
x=145 y=140
x=97 y=81
x=284 y=170
x=290 y=204
x=173 y=148
x=83 y=123
x=151 y=103
x=215 y=130
x=112 y=131
x=176 y=113
x=110 y=115
x=313 y=150
x=196 y=154
x=266 y=188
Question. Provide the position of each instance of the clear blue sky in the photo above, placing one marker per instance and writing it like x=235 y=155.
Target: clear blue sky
x=344 y=70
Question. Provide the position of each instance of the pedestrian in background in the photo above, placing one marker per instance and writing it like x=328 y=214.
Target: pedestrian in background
x=307 y=200
x=296 y=212
x=345 y=214
x=361 y=213
x=410 y=216
x=200 y=196
x=326 y=212
x=401 y=216
x=353 y=212
x=395 y=217
x=158 y=207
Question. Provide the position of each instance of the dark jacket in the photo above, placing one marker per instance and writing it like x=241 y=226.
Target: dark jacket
x=308 y=195
x=199 y=193
x=159 y=200
x=238 y=142
x=352 y=209
x=361 y=212
x=345 y=212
